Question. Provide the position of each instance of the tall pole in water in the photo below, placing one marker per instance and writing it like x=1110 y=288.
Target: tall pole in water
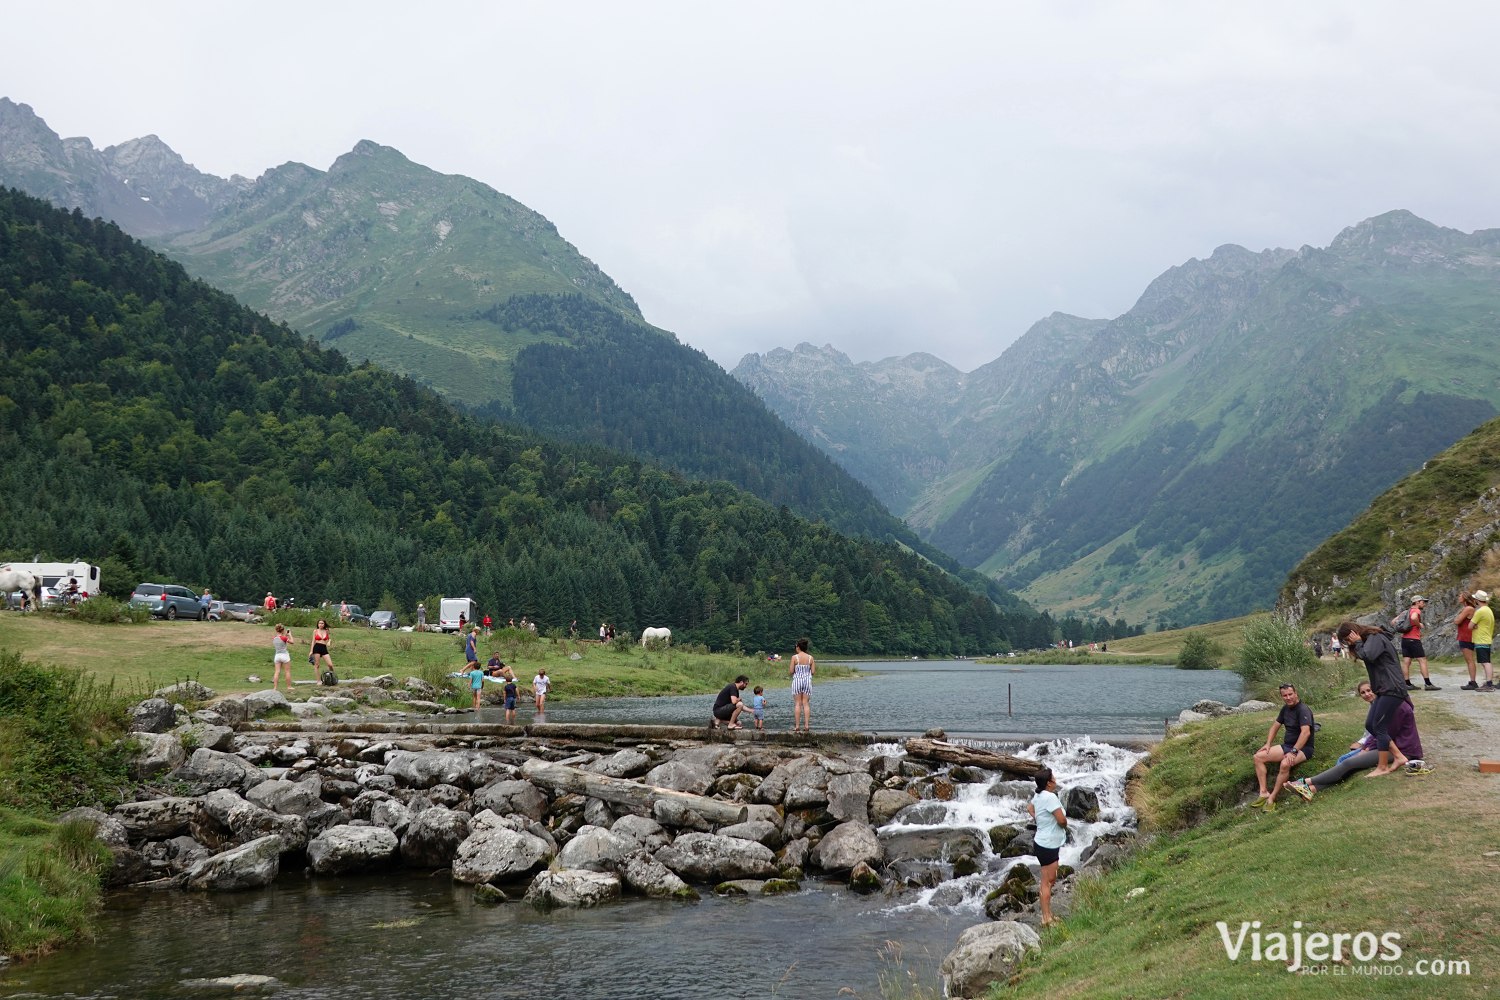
x=1007 y=699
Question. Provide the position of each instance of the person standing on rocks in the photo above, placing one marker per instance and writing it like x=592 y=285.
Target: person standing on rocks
x=1411 y=646
x=1369 y=643
x=1463 y=629
x=801 y=672
x=1484 y=636
x=1051 y=833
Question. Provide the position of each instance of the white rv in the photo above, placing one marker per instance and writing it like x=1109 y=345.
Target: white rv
x=449 y=610
x=55 y=576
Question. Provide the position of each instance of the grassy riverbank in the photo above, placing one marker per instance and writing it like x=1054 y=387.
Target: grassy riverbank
x=224 y=655
x=1396 y=854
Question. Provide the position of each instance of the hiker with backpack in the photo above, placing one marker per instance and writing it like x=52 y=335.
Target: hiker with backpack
x=1408 y=625
x=1371 y=644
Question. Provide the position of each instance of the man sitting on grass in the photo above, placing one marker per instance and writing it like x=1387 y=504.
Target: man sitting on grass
x=1295 y=747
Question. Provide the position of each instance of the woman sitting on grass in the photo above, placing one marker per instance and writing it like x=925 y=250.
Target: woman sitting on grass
x=1387 y=680
x=1362 y=753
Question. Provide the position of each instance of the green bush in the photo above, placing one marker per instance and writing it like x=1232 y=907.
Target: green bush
x=1199 y=652
x=107 y=611
x=1277 y=651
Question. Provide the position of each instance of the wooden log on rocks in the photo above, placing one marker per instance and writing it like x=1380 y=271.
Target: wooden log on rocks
x=562 y=778
x=953 y=753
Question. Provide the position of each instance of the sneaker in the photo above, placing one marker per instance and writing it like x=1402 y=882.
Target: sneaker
x=1429 y=686
x=1270 y=806
x=1302 y=787
x=1409 y=685
x=1471 y=686
x=1418 y=767
x=1259 y=803
x=1488 y=686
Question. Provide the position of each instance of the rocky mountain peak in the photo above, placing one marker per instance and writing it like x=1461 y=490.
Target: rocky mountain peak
x=1398 y=232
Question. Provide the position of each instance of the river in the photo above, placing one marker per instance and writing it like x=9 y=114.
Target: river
x=408 y=935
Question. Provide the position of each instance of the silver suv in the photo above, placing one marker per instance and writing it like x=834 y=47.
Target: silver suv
x=167 y=600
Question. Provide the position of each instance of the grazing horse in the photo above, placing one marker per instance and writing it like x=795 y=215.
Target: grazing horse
x=28 y=583
x=664 y=634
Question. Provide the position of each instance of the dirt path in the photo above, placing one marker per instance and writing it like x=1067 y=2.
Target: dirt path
x=1462 y=748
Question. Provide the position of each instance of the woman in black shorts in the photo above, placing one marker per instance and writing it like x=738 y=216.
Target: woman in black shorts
x=321 y=640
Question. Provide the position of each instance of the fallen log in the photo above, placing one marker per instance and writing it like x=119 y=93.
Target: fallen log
x=952 y=753
x=562 y=778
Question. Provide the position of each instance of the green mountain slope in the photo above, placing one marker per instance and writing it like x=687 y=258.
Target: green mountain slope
x=153 y=424
x=1178 y=460
x=1435 y=532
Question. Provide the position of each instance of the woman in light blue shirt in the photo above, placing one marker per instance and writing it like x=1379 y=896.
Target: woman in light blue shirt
x=1051 y=833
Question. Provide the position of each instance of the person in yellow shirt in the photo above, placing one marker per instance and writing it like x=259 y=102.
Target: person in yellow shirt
x=1484 y=636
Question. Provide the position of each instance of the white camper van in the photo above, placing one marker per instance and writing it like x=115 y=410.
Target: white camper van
x=55 y=577
x=449 y=609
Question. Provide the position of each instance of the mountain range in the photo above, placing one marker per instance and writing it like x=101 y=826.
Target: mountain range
x=1177 y=461
x=463 y=289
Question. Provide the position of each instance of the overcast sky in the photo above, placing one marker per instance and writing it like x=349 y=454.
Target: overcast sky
x=885 y=177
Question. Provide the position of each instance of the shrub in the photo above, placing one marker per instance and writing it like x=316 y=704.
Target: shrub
x=623 y=643
x=1199 y=652
x=1277 y=651
x=108 y=611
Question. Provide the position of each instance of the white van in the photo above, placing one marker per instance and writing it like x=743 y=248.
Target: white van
x=55 y=577
x=449 y=609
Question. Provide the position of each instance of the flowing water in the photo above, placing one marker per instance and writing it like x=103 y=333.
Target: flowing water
x=407 y=935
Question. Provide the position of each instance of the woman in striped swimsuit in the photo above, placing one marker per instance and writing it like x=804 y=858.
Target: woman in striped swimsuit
x=801 y=673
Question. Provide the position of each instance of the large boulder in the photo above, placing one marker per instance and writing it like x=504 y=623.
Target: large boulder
x=650 y=877
x=426 y=768
x=846 y=845
x=433 y=836
x=207 y=734
x=759 y=830
x=1080 y=803
x=986 y=954
x=107 y=829
x=184 y=691
x=207 y=770
x=629 y=763
x=808 y=788
x=681 y=776
x=291 y=798
x=708 y=857
x=249 y=866
x=594 y=848
x=573 y=887
x=849 y=796
x=389 y=813
x=885 y=803
x=494 y=852
x=154 y=715
x=773 y=789
x=343 y=849
x=511 y=795
x=157 y=818
x=259 y=703
x=232 y=710
x=245 y=822
x=159 y=754
x=641 y=831
x=933 y=844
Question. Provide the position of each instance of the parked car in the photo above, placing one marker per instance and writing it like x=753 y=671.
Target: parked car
x=167 y=600
x=383 y=619
x=357 y=616
x=219 y=611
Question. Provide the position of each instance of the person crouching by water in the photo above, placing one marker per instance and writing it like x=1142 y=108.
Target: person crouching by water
x=1406 y=746
x=1296 y=746
x=727 y=706
x=1051 y=833
x=1370 y=643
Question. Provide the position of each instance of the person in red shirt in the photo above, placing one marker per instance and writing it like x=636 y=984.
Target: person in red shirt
x=1411 y=647
x=270 y=601
x=487 y=628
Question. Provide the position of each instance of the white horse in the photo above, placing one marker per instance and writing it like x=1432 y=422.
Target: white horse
x=664 y=634
x=28 y=583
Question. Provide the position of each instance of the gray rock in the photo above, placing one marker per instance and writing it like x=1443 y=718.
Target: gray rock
x=573 y=887
x=1008 y=789
x=681 y=776
x=391 y=814
x=1080 y=803
x=207 y=770
x=640 y=831
x=986 y=954
x=446 y=795
x=310 y=710
x=886 y=803
x=259 y=703
x=1187 y=716
x=849 y=796
x=184 y=691
x=1105 y=857
x=846 y=845
x=107 y=829
x=679 y=816
x=256 y=753
x=239 y=983
x=427 y=768
x=186 y=852
x=1212 y=709
x=231 y=709
x=154 y=715
x=773 y=790
x=1249 y=707
x=291 y=798
x=494 y=852
x=323 y=816
x=708 y=857
x=924 y=813
x=246 y=821
x=808 y=788
x=334 y=702
x=420 y=688
x=509 y=796
x=761 y=831
x=625 y=764
x=202 y=734
x=160 y=753
x=433 y=837
x=650 y=877
x=209 y=717
x=595 y=849
x=157 y=818
x=249 y=866
x=934 y=844
x=596 y=812
x=735 y=787
x=795 y=854
x=342 y=849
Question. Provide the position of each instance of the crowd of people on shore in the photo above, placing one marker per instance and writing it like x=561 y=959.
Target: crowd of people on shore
x=1391 y=741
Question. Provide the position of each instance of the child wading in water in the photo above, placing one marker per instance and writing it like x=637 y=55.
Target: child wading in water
x=758 y=706
x=476 y=681
x=281 y=643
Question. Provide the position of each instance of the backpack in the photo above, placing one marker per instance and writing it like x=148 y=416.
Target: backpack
x=330 y=679
x=1402 y=622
